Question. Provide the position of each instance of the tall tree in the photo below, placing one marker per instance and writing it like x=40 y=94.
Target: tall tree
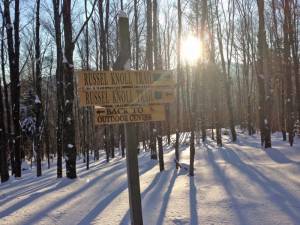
x=108 y=133
x=179 y=13
x=136 y=32
x=6 y=99
x=68 y=71
x=149 y=58
x=294 y=36
x=87 y=110
x=261 y=77
x=38 y=88
x=60 y=86
x=13 y=45
x=157 y=64
x=287 y=37
x=202 y=87
x=226 y=65
x=3 y=137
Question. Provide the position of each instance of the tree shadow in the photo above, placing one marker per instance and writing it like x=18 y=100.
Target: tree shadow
x=33 y=197
x=166 y=198
x=101 y=165
x=278 y=195
x=60 y=184
x=102 y=205
x=7 y=197
x=193 y=203
x=279 y=157
x=117 y=169
x=158 y=182
x=225 y=181
x=24 y=182
x=106 y=201
x=157 y=178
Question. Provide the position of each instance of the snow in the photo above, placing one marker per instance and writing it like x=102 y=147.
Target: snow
x=65 y=61
x=37 y=100
x=238 y=184
x=69 y=119
x=70 y=146
x=9 y=26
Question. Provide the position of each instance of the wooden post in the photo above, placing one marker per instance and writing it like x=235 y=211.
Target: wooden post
x=133 y=175
x=123 y=62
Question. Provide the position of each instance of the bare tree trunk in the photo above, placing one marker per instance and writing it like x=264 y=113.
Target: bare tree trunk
x=179 y=12
x=60 y=87
x=136 y=32
x=262 y=48
x=122 y=137
x=288 y=73
x=46 y=120
x=13 y=43
x=3 y=138
x=149 y=58
x=69 y=126
x=7 y=105
x=201 y=80
x=38 y=88
x=191 y=110
x=212 y=68
x=87 y=109
x=96 y=44
x=68 y=69
x=103 y=49
x=278 y=51
x=157 y=64
x=225 y=73
x=295 y=51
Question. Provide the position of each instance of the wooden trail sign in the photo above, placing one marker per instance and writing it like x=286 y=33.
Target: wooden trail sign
x=126 y=96
x=115 y=115
x=103 y=79
x=130 y=136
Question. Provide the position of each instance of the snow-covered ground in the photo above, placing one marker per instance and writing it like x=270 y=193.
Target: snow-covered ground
x=236 y=184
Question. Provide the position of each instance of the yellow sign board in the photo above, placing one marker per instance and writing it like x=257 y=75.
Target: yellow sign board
x=133 y=114
x=126 y=96
x=101 y=79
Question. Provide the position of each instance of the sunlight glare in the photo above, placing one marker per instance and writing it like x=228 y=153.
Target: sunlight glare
x=191 y=49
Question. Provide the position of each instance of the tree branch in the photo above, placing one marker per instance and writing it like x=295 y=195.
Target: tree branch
x=85 y=23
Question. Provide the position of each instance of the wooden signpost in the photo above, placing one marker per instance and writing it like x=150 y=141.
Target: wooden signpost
x=134 y=114
x=92 y=79
x=131 y=141
x=125 y=96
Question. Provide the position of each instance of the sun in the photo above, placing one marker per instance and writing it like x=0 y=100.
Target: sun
x=191 y=49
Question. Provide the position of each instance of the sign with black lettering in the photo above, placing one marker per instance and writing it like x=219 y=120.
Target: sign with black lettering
x=104 y=79
x=126 y=96
x=134 y=114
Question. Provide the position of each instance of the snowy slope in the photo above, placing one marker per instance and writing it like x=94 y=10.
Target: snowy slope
x=236 y=184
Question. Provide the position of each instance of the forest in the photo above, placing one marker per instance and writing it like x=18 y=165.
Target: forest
x=234 y=64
